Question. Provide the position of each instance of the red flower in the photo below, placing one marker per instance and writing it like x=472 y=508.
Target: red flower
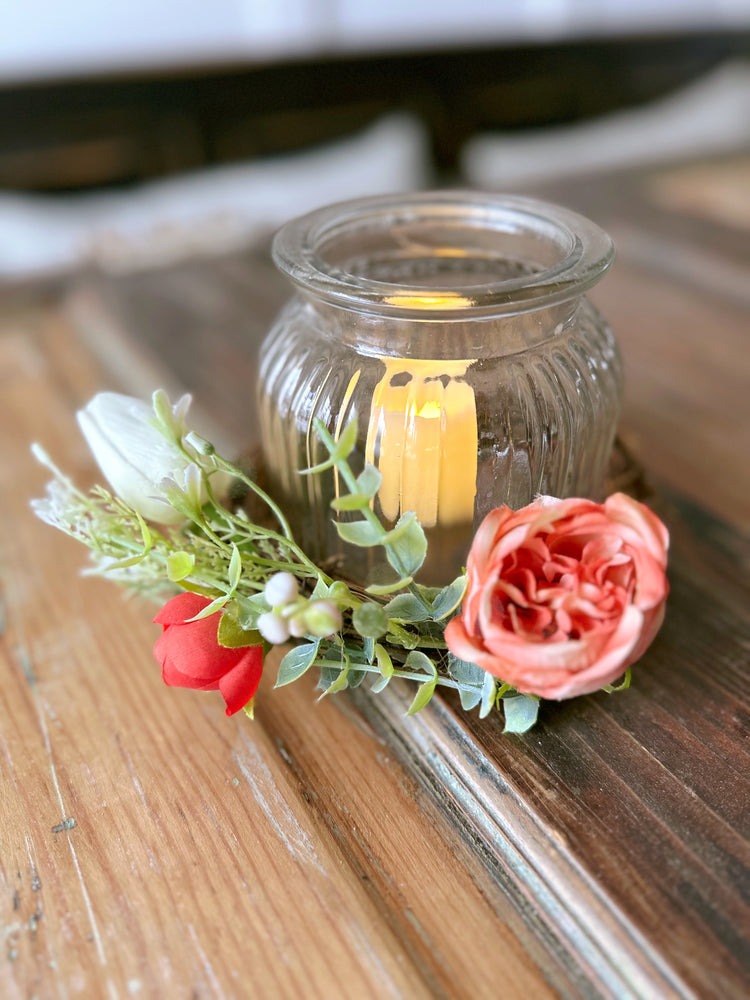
x=563 y=595
x=191 y=657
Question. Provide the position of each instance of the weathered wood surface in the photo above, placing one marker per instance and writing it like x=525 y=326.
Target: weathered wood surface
x=340 y=849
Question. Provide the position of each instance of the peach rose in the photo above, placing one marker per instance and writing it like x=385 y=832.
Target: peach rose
x=563 y=595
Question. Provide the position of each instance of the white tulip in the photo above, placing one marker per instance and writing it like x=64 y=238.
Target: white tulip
x=133 y=455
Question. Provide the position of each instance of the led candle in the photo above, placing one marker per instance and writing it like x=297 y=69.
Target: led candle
x=422 y=436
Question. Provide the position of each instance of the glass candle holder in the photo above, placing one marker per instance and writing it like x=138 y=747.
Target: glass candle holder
x=454 y=329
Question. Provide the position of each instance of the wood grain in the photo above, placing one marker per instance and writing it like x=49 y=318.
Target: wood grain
x=342 y=849
x=152 y=847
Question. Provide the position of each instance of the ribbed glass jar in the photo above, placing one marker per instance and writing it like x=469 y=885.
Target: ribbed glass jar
x=453 y=327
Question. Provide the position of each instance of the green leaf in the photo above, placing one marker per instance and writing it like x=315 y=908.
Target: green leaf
x=422 y=697
x=407 y=608
x=382 y=589
x=622 y=686
x=379 y=684
x=342 y=681
x=489 y=696
x=327 y=676
x=296 y=662
x=231 y=634
x=235 y=569
x=520 y=713
x=470 y=679
x=384 y=661
x=140 y=556
x=470 y=697
x=180 y=565
x=346 y=442
x=361 y=533
x=351 y=501
x=449 y=598
x=247 y=610
x=409 y=640
x=370 y=620
x=210 y=609
x=339 y=593
x=406 y=545
x=369 y=648
x=465 y=672
x=355 y=678
x=369 y=481
x=417 y=660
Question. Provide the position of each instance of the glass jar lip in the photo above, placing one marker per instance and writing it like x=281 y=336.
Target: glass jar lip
x=585 y=253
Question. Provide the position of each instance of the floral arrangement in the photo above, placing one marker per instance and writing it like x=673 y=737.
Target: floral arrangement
x=559 y=599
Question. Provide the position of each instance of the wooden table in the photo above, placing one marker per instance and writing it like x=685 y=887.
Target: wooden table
x=150 y=847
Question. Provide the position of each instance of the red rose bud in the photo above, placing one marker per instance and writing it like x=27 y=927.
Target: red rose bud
x=191 y=656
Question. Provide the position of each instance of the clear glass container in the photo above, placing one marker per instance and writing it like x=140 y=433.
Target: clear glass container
x=453 y=327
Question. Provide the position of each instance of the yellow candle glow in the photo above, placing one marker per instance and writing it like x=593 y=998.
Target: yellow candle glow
x=422 y=436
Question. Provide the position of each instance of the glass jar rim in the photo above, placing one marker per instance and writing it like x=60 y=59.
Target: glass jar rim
x=584 y=252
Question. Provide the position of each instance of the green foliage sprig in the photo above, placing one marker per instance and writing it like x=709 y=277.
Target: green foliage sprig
x=388 y=630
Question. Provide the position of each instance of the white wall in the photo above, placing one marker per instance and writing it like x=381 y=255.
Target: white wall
x=49 y=38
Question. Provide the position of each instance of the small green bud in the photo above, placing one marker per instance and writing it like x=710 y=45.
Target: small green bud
x=370 y=620
x=321 y=618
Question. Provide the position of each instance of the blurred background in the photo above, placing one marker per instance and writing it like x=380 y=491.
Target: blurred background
x=139 y=132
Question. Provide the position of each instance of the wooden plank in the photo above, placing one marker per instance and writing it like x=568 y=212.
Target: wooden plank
x=208 y=856
x=607 y=848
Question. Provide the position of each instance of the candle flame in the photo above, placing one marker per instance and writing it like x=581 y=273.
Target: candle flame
x=440 y=300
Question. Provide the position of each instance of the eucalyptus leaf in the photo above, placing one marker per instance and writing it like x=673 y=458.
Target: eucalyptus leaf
x=379 y=684
x=470 y=679
x=465 y=672
x=402 y=636
x=384 y=661
x=369 y=481
x=356 y=677
x=449 y=598
x=346 y=442
x=296 y=662
x=383 y=589
x=247 y=610
x=470 y=697
x=416 y=660
x=327 y=676
x=342 y=681
x=489 y=696
x=369 y=648
x=370 y=620
x=520 y=713
x=361 y=533
x=423 y=696
x=351 y=501
x=406 y=545
x=407 y=608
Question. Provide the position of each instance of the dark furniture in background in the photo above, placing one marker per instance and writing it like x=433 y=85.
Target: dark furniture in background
x=69 y=135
